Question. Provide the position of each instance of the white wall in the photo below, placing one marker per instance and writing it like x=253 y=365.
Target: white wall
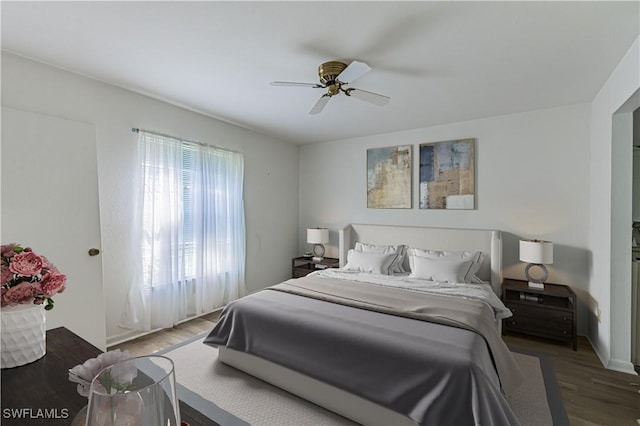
x=609 y=224
x=271 y=169
x=532 y=180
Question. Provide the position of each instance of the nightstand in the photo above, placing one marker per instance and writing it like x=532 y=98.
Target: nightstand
x=549 y=312
x=301 y=266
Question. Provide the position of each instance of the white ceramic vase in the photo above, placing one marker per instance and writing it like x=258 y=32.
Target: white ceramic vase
x=23 y=334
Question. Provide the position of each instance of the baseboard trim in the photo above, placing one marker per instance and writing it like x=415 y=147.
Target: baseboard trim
x=612 y=363
x=136 y=334
x=603 y=360
x=621 y=366
x=127 y=336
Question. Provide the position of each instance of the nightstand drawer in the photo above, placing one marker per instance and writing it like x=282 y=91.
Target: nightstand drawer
x=540 y=327
x=551 y=315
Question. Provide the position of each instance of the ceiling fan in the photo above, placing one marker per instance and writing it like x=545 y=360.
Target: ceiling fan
x=334 y=76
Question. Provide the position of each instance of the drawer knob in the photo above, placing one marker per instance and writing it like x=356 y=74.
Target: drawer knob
x=564 y=318
x=513 y=323
x=564 y=331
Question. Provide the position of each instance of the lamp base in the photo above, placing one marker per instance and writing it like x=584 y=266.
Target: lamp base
x=536 y=282
x=539 y=286
x=318 y=252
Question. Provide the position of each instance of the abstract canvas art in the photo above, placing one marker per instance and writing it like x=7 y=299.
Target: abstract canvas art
x=389 y=177
x=447 y=174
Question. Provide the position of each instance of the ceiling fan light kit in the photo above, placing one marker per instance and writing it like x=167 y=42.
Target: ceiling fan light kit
x=333 y=76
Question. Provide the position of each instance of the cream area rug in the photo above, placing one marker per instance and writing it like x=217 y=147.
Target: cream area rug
x=230 y=397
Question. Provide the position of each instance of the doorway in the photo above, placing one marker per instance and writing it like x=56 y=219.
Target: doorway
x=623 y=327
x=635 y=251
x=50 y=203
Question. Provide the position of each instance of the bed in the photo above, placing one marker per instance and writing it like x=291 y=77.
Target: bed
x=376 y=347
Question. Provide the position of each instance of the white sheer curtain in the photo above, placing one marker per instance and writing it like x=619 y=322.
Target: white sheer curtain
x=191 y=232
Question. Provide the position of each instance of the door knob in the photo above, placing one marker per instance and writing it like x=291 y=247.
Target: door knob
x=94 y=252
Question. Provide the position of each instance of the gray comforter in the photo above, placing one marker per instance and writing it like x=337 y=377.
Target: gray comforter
x=433 y=373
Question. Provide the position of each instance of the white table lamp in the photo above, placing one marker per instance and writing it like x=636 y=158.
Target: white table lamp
x=318 y=237
x=536 y=253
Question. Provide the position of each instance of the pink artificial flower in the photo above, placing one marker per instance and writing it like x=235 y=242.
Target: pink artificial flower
x=52 y=284
x=48 y=267
x=26 y=264
x=7 y=250
x=21 y=293
x=37 y=288
x=3 y=301
x=5 y=274
x=37 y=278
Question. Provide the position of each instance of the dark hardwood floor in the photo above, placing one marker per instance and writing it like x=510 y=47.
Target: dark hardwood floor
x=592 y=395
x=154 y=342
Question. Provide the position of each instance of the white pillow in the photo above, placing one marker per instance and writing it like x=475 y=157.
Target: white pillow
x=398 y=250
x=476 y=257
x=377 y=263
x=349 y=255
x=447 y=270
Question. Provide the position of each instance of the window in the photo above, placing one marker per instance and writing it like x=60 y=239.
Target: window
x=192 y=231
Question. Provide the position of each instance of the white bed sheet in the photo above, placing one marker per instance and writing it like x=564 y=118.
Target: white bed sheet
x=481 y=292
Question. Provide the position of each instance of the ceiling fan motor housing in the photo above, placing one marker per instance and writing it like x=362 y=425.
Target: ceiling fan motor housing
x=329 y=71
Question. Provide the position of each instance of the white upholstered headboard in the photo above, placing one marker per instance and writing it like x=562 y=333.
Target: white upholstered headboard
x=487 y=241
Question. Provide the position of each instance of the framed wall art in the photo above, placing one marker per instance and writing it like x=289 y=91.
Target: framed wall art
x=389 y=177
x=447 y=174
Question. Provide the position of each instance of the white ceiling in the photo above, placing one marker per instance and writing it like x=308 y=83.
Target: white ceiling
x=439 y=62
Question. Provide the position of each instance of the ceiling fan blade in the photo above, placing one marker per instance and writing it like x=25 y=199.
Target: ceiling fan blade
x=353 y=71
x=370 y=97
x=319 y=106
x=292 y=84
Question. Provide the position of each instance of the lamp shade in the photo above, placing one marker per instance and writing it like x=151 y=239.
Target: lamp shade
x=317 y=235
x=536 y=251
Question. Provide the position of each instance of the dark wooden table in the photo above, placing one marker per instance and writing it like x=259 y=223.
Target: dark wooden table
x=304 y=265
x=40 y=393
